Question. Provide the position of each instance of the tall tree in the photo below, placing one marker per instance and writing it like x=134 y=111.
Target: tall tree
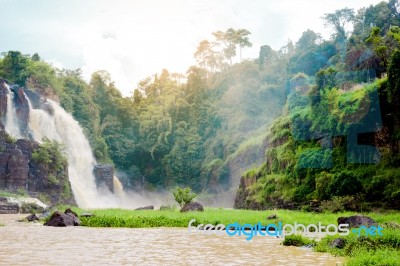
x=339 y=21
x=227 y=40
x=206 y=56
x=242 y=39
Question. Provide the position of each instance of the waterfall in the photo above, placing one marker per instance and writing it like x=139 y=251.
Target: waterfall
x=64 y=128
x=11 y=121
x=118 y=188
x=56 y=124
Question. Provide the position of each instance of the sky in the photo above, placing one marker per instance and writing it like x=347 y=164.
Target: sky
x=135 y=39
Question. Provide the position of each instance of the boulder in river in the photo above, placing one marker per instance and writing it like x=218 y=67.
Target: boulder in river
x=32 y=218
x=192 y=206
x=357 y=221
x=60 y=219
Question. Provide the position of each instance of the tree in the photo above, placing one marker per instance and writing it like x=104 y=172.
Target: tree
x=227 y=40
x=242 y=39
x=36 y=57
x=206 y=56
x=266 y=56
x=13 y=67
x=339 y=21
x=183 y=195
x=307 y=39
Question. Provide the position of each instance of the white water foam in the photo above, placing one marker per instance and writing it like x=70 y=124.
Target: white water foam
x=61 y=126
x=11 y=121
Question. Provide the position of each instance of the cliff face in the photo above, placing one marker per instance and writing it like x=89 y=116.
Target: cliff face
x=357 y=161
x=18 y=171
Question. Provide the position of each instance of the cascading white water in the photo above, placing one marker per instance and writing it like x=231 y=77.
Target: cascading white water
x=11 y=121
x=118 y=188
x=62 y=127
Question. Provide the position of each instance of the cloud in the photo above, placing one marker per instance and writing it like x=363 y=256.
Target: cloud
x=135 y=39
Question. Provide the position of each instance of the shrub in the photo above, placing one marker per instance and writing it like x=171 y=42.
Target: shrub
x=297 y=241
x=183 y=195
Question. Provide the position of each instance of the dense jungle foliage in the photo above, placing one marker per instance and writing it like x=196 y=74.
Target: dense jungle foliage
x=335 y=101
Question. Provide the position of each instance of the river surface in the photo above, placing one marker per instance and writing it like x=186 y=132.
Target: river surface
x=34 y=244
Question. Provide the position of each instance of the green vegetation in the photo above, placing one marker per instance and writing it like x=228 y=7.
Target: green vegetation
x=183 y=195
x=15 y=194
x=335 y=103
x=297 y=241
x=336 y=145
x=50 y=154
x=366 y=250
x=172 y=130
x=215 y=216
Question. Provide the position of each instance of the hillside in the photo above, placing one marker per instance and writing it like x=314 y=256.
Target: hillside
x=334 y=102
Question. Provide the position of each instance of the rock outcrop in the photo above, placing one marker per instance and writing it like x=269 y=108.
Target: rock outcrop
x=104 y=174
x=357 y=221
x=22 y=108
x=192 y=207
x=7 y=207
x=18 y=172
x=59 y=219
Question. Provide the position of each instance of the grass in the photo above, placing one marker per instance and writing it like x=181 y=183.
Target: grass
x=174 y=218
x=17 y=194
x=361 y=250
x=297 y=241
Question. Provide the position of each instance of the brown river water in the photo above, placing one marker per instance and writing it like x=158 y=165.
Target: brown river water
x=35 y=244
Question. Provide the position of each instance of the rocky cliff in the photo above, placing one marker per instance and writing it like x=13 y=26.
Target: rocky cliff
x=18 y=171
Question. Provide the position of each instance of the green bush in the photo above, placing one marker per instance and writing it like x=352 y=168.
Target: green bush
x=183 y=195
x=297 y=241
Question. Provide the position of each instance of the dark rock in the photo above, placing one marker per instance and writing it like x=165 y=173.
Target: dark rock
x=17 y=169
x=3 y=98
x=338 y=243
x=272 y=216
x=69 y=211
x=151 y=207
x=7 y=207
x=21 y=108
x=46 y=106
x=192 y=206
x=167 y=207
x=357 y=221
x=59 y=219
x=35 y=98
x=87 y=215
x=104 y=174
x=32 y=218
